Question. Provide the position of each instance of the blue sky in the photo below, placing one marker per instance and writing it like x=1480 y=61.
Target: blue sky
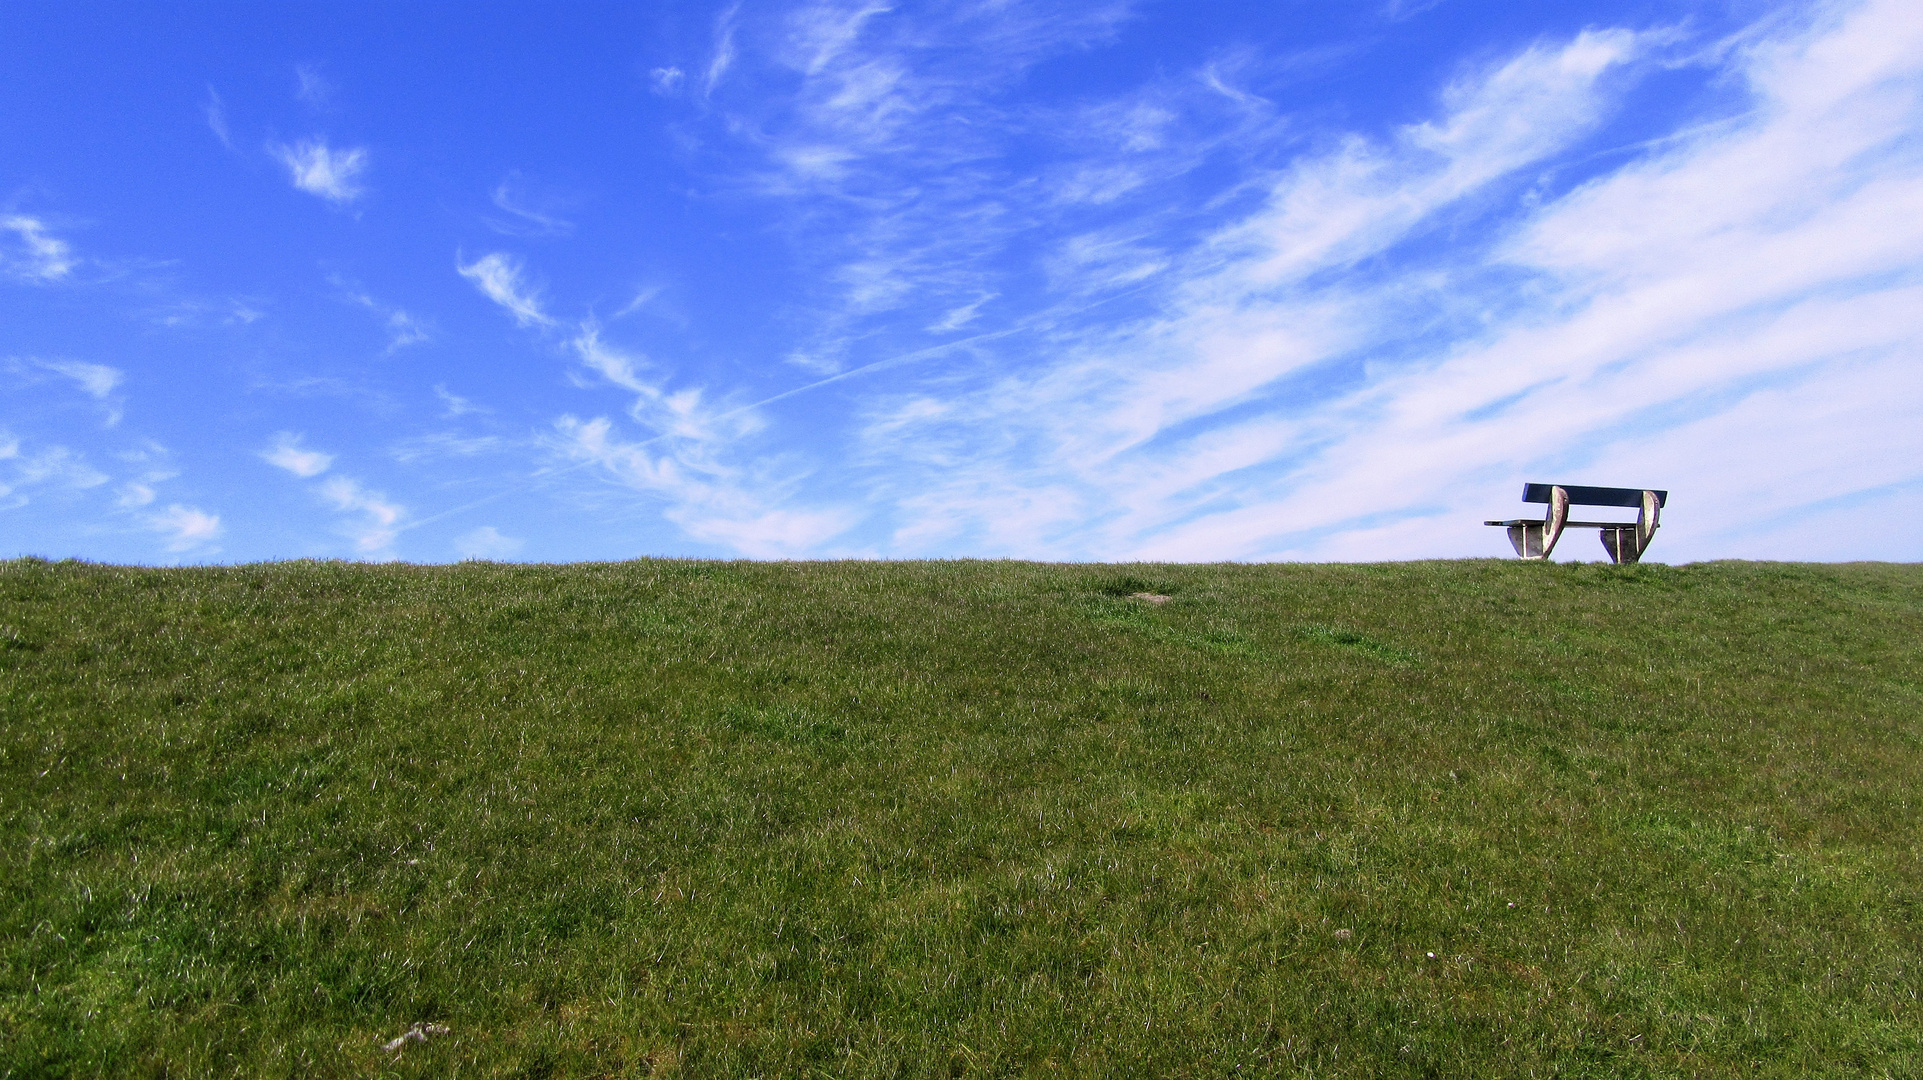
x=1187 y=281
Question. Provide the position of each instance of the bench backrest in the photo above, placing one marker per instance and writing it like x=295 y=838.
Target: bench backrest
x=1592 y=496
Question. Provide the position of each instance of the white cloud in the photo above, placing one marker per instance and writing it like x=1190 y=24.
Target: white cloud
x=613 y=365
x=53 y=466
x=375 y=531
x=184 y=527
x=1398 y=10
x=155 y=466
x=58 y=465
x=889 y=138
x=498 y=276
x=446 y=445
x=317 y=169
x=956 y=318
x=724 y=32
x=684 y=414
x=287 y=453
x=527 y=220
x=486 y=542
x=230 y=311
x=39 y=257
x=97 y=380
x=706 y=498
x=690 y=461
x=456 y=405
x=376 y=521
x=61 y=471
x=216 y=113
x=642 y=297
x=666 y=80
x=1332 y=210
x=312 y=88
x=403 y=329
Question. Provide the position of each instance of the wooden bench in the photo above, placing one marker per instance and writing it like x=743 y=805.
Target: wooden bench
x=1625 y=541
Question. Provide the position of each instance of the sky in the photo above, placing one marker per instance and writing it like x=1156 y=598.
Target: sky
x=983 y=278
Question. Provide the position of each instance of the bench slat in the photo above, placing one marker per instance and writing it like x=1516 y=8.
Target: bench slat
x=1592 y=496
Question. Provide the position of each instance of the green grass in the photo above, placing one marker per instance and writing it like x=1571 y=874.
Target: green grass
x=961 y=819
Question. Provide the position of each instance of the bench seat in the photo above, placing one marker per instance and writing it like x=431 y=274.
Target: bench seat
x=1568 y=524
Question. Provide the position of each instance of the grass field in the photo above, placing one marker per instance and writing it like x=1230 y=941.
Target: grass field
x=961 y=819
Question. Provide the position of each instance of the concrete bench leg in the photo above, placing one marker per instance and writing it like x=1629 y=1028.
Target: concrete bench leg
x=1626 y=543
x=1533 y=541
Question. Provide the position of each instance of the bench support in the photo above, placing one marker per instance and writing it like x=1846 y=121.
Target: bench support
x=1626 y=543
x=1535 y=540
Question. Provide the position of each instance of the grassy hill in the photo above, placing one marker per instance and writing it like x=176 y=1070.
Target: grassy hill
x=961 y=819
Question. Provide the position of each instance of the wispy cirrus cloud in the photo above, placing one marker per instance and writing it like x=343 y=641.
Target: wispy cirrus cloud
x=376 y=521
x=313 y=88
x=95 y=380
x=886 y=133
x=372 y=521
x=286 y=452
x=454 y=405
x=403 y=328
x=667 y=80
x=499 y=277
x=525 y=218
x=1397 y=10
x=52 y=469
x=35 y=255
x=135 y=494
x=443 y=445
x=184 y=528
x=724 y=48
x=48 y=465
x=747 y=509
x=318 y=169
x=153 y=465
x=230 y=311
x=693 y=454
x=486 y=542
x=214 y=111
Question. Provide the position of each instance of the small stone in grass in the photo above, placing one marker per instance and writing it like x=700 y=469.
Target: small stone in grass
x=417 y=1033
x=1344 y=934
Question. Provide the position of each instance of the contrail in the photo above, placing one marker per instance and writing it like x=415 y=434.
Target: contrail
x=918 y=354
x=485 y=499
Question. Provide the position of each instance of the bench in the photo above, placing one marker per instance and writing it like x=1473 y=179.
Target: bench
x=1625 y=541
